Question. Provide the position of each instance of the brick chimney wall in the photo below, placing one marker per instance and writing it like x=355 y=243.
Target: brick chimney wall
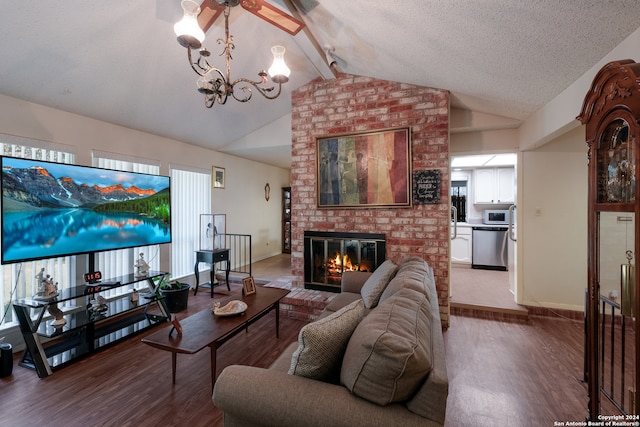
x=352 y=104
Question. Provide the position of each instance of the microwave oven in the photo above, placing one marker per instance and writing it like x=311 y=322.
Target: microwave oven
x=496 y=216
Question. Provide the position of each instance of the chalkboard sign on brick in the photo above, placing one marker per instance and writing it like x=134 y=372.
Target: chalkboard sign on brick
x=426 y=186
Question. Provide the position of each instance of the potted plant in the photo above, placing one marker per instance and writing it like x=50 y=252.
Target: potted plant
x=175 y=294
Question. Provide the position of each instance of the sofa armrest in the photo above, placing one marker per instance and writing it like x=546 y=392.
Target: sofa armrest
x=251 y=396
x=352 y=281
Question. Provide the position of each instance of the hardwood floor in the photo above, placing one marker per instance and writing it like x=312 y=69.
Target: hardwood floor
x=514 y=374
x=129 y=384
x=500 y=373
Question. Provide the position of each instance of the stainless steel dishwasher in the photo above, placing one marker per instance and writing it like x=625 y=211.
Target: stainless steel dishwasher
x=489 y=248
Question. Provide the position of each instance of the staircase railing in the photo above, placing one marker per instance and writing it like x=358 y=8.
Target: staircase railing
x=239 y=252
x=613 y=350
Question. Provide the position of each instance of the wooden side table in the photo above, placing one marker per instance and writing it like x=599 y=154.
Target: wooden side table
x=212 y=257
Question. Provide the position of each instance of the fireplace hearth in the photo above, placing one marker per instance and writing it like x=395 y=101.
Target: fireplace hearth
x=328 y=254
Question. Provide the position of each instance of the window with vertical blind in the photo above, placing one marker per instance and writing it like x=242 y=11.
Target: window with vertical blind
x=190 y=198
x=18 y=280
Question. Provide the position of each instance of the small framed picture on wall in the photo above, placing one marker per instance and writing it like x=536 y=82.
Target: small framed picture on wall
x=218 y=176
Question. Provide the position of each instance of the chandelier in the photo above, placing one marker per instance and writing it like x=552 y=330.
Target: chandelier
x=214 y=83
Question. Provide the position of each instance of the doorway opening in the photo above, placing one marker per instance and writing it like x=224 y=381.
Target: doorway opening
x=483 y=188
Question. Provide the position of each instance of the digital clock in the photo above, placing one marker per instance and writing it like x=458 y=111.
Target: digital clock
x=93 y=277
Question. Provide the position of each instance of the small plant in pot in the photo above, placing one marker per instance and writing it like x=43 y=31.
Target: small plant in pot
x=175 y=294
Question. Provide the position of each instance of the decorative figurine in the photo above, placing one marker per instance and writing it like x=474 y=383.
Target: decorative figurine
x=142 y=268
x=50 y=288
x=97 y=306
x=40 y=279
x=135 y=297
x=211 y=233
x=176 y=326
x=47 y=289
x=58 y=314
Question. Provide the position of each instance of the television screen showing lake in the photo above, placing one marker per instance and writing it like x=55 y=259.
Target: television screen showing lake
x=54 y=209
x=48 y=233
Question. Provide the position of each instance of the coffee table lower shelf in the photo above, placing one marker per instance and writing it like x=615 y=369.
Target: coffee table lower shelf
x=204 y=329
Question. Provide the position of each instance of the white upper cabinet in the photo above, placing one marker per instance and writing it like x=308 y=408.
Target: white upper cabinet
x=485 y=180
x=494 y=185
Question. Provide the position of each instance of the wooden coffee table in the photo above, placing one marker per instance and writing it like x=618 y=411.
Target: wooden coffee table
x=204 y=329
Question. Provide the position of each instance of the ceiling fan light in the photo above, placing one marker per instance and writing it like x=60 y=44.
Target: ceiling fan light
x=187 y=29
x=279 y=71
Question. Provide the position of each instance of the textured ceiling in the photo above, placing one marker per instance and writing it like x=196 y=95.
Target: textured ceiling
x=118 y=61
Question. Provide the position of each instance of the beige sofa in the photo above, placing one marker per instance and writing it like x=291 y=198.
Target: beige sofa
x=375 y=357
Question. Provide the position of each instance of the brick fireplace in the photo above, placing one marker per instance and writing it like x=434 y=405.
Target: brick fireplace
x=352 y=104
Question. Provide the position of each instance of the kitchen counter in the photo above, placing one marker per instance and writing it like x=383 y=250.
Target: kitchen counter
x=468 y=225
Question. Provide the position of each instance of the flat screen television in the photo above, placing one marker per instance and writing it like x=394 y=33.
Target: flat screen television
x=53 y=209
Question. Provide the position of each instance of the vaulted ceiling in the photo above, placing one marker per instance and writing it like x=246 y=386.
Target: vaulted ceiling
x=118 y=61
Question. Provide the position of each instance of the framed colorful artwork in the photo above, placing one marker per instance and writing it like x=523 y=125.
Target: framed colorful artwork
x=371 y=169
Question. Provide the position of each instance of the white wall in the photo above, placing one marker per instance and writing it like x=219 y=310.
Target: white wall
x=491 y=141
x=244 y=204
x=552 y=223
x=242 y=200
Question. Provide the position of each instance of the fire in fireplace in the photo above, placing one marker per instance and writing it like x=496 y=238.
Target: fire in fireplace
x=328 y=254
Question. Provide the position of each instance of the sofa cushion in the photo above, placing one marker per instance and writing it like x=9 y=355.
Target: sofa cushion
x=321 y=344
x=352 y=281
x=413 y=272
x=341 y=300
x=375 y=284
x=283 y=362
x=390 y=353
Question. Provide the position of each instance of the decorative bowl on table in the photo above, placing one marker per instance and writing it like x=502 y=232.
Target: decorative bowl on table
x=232 y=308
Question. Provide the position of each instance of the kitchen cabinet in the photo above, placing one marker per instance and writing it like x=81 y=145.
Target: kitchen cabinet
x=461 y=246
x=494 y=185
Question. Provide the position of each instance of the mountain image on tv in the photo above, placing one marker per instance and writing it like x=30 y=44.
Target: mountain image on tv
x=52 y=209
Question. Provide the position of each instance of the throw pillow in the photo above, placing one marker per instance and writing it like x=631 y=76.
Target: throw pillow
x=412 y=273
x=322 y=344
x=375 y=284
x=389 y=354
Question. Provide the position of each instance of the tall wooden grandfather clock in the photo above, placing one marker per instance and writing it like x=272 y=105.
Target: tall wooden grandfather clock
x=611 y=114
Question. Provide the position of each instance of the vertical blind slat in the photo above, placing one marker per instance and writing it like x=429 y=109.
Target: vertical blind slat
x=190 y=197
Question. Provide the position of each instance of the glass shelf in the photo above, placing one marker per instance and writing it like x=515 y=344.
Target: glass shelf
x=80 y=291
x=84 y=330
x=78 y=317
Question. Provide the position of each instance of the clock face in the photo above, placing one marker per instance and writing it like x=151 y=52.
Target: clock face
x=616 y=164
x=93 y=277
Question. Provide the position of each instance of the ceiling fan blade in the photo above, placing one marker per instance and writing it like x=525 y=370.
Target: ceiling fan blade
x=273 y=15
x=304 y=6
x=209 y=12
